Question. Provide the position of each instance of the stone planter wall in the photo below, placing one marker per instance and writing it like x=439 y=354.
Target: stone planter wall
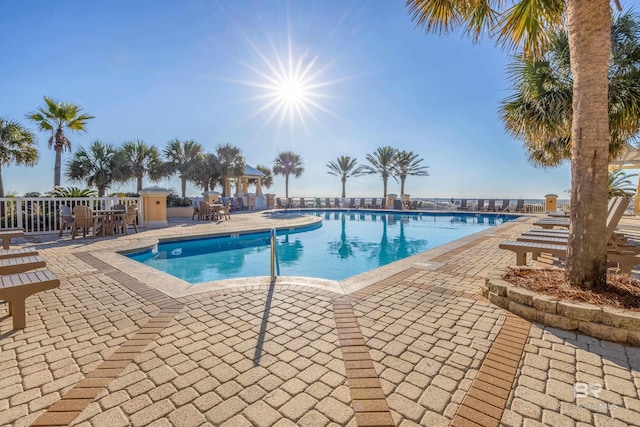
x=179 y=212
x=605 y=323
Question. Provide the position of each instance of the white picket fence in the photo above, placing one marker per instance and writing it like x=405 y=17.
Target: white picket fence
x=42 y=214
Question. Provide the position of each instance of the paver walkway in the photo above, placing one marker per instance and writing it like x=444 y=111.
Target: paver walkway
x=418 y=345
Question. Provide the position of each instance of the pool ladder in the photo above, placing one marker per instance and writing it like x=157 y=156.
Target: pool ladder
x=275 y=263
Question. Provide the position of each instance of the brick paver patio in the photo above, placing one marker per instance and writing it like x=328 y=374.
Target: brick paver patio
x=411 y=344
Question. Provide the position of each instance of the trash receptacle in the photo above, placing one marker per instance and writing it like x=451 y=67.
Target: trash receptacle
x=551 y=202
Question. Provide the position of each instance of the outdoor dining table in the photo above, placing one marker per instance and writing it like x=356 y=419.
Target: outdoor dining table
x=108 y=218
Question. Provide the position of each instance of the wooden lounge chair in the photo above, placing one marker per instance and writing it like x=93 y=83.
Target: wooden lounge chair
x=16 y=288
x=16 y=253
x=21 y=264
x=557 y=246
x=7 y=234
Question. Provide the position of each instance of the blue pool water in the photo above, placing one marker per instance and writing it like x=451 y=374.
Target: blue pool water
x=345 y=244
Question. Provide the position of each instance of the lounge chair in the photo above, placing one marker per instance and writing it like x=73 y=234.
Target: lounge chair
x=362 y=202
x=491 y=206
x=557 y=246
x=463 y=205
x=16 y=253
x=505 y=205
x=480 y=206
x=336 y=203
x=374 y=203
x=520 y=205
x=7 y=234
x=352 y=203
x=303 y=203
x=66 y=218
x=21 y=264
x=16 y=288
x=327 y=202
x=279 y=204
x=318 y=203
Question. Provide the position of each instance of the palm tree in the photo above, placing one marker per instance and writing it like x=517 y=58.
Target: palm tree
x=54 y=118
x=539 y=110
x=231 y=164
x=589 y=32
x=207 y=172
x=182 y=157
x=287 y=163
x=144 y=160
x=17 y=146
x=345 y=167
x=620 y=185
x=407 y=164
x=100 y=166
x=382 y=163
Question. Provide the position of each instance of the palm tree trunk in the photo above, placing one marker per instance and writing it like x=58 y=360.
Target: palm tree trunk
x=183 y=180
x=402 y=180
x=139 y=182
x=58 y=147
x=344 y=188
x=1 y=184
x=589 y=30
x=384 y=184
x=286 y=188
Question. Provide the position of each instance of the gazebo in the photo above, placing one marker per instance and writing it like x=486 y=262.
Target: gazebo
x=630 y=159
x=243 y=181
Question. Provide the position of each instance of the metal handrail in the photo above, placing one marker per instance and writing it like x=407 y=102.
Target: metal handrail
x=275 y=263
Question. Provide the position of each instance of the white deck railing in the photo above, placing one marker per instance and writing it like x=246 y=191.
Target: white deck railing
x=42 y=214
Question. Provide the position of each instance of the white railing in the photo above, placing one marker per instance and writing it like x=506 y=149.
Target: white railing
x=42 y=214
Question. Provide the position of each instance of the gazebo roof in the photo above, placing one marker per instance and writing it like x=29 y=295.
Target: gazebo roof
x=630 y=159
x=252 y=172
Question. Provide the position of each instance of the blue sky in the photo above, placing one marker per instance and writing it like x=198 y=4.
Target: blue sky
x=158 y=70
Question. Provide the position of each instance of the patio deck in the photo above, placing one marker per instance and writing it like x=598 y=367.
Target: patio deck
x=413 y=343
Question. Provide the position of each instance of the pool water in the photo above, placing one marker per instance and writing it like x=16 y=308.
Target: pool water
x=347 y=243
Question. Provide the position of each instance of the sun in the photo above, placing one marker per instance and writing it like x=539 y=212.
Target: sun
x=290 y=88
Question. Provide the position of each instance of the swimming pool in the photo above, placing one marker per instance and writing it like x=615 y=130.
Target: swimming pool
x=345 y=244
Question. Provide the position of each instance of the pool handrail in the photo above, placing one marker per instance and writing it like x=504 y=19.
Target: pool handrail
x=275 y=262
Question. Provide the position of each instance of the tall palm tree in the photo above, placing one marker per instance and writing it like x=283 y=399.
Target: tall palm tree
x=530 y=24
x=345 y=167
x=207 y=172
x=381 y=162
x=182 y=157
x=55 y=117
x=144 y=160
x=539 y=110
x=100 y=166
x=17 y=146
x=407 y=164
x=287 y=163
x=231 y=164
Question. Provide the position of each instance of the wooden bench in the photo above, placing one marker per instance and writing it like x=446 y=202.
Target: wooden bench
x=16 y=288
x=7 y=234
x=21 y=264
x=16 y=253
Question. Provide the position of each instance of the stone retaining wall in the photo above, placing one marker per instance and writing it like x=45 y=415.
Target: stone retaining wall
x=607 y=323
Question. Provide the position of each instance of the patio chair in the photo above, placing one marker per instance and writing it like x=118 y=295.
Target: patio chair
x=290 y=203
x=66 y=218
x=463 y=205
x=480 y=206
x=336 y=203
x=84 y=219
x=303 y=203
x=374 y=203
x=318 y=203
x=128 y=219
x=279 y=204
x=491 y=206
x=224 y=211
x=520 y=205
x=327 y=202
x=362 y=204
x=352 y=203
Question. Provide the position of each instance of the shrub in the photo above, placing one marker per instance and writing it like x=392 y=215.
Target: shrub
x=173 y=200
